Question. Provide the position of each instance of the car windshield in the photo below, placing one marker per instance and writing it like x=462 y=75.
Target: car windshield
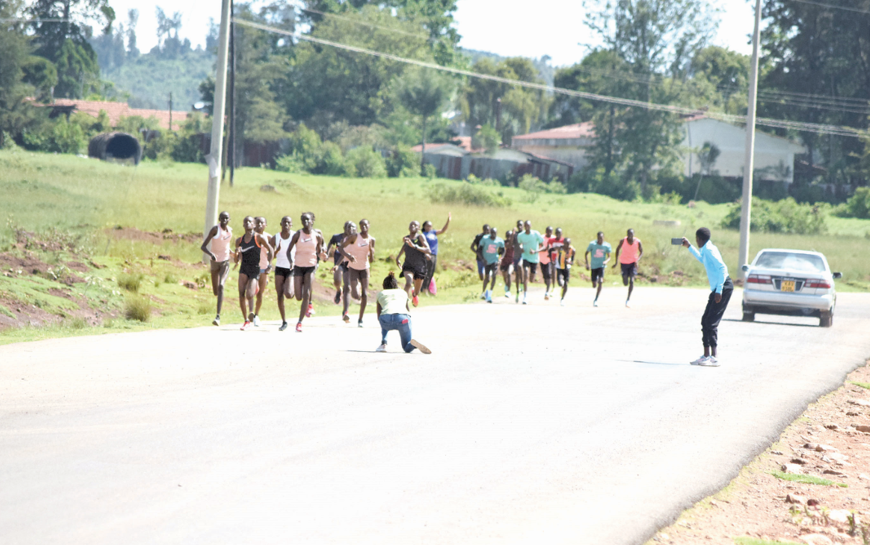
x=788 y=260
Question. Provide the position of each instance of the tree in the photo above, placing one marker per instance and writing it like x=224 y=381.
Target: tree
x=657 y=40
x=15 y=113
x=66 y=43
x=328 y=85
x=510 y=109
x=813 y=52
x=424 y=92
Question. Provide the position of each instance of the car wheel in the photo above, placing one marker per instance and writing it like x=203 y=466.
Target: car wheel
x=748 y=316
x=826 y=319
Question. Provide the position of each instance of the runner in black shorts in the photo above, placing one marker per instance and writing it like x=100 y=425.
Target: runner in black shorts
x=248 y=251
x=563 y=262
x=600 y=252
x=507 y=262
x=417 y=252
x=283 y=270
x=339 y=269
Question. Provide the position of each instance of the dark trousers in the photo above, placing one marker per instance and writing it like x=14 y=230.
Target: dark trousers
x=713 y=315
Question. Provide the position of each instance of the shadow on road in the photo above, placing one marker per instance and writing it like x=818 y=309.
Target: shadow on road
x=654 y=362
x=770 y=323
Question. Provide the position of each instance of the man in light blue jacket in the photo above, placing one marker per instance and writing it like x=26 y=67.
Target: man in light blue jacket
x=721 y=288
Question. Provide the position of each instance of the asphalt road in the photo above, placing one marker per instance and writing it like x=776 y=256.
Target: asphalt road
x=527 y=424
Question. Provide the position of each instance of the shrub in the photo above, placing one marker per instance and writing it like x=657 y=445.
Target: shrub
x=465 y=193
x=487 y=138
x=429 y=171
x=57 y=136
x=306 y=146
x=138 y=308
x=364 y=162
x=786 y=216
x=534 y=187
x=594 y=180
x=858 y=205
x=488 y=182
x=332 y=161
x=130 y=282
x=403 y=163
x=289 y=163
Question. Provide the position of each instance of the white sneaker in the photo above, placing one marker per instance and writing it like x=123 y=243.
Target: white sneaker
x=700 y=361
x=595 y=303
x=256 y=321
x=524 y=299
x=419 y=346
x=507 y=294
x=483 y=295
x=217 y=320
x=710 y=362
x=627 y=304
x=546 y=296
x=382 y=348
x=562 y=302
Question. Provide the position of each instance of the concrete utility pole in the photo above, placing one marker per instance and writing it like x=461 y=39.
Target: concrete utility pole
x=217 y=124
x=749 y=160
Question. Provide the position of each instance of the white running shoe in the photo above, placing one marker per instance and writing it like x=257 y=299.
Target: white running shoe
x=524 y=299
x=256 y=321
x=483 y=295
x=217 y=320
x=595 y=303
x=507 y=294
x=699 y=361
x=419 y=346
x=546 y=296
x=562 y=302
x=382 y=348
x=627 y=304
x=710 y=362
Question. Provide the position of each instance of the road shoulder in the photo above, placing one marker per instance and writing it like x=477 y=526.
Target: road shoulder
x=830 y=441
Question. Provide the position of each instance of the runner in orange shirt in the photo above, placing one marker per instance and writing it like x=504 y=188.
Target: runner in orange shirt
x=628 y=253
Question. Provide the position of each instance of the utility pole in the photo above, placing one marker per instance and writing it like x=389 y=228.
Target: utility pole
x=232 y=150
x=749 y=162
x=213 y=159
x=170 y=110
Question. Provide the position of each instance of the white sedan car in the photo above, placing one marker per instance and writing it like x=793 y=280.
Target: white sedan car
x=790 y=283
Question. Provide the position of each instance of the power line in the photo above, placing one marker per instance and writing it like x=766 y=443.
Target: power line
x=832 y=6
x=681 y=110
x=364 y=23
x=37 y=20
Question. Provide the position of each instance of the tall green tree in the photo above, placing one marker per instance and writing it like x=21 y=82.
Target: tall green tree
x=15 y=113
x=66 y=43
x=657 y=40
x=424 y=92
x=329 y=85
x=817 y=69
x=510 y=108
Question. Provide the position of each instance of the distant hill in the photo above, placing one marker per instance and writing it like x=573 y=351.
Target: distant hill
x=151 y=77
x=545 y=69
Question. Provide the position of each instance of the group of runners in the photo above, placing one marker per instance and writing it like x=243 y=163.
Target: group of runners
x=518 y=255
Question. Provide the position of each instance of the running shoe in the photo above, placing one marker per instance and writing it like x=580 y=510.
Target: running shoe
x=546 y=296
x=710 y=362
x=337 y=297
x=595 y=303
x=217 y=320
x=524 y=299
x=419 y=346
x=310 y=311
x=256 y=321
x=627 y=304
x=251 y=317
x=245 y=325
x=488 y=297
x=346 y=318
x=700 y=361
x=562 y=302
x=283 y=326
x=507 y=294
x=299 y=327
x=483 y=295
x=415 y=301
x=359 y=323
x=382 y=348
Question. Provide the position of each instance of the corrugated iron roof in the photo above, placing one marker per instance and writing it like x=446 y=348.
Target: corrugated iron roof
x=577 y=130
x=117 y=110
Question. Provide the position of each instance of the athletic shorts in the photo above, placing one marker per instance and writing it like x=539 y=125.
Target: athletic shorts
x=505 y=265
x=263 y=271
x=253 y=273
x=491 y=268
x=629 y=269
x=533 y=267
x=418 y=274
x=283 y=272
x=361 y=276
x=223 y=268
x=563 y=275
x=545 y=269
x=518 y=262
x=302 y=271
x=598 y=274
x=342 y=267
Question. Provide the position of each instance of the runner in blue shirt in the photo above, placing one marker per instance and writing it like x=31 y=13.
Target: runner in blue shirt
x=491 y=248
x=600 y=251
x=431 y=236
x=532 y=243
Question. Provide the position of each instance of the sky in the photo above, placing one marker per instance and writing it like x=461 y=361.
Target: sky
x=507 y=28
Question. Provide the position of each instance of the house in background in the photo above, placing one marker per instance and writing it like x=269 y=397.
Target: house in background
x=117 y=110
x=456 y=162
x=774 y=155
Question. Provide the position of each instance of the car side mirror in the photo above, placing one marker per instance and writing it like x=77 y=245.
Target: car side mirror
x=837 y=275
x=745 y=268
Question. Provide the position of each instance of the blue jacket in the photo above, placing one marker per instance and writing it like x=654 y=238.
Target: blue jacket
x=710 y=257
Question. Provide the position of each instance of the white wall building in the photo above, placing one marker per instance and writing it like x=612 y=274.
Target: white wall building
x=774 y=156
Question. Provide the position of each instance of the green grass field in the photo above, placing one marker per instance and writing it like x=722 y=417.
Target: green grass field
x=67 y=198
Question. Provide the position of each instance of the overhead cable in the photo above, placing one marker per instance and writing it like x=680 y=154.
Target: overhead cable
x=832 y=6
x=681 y=110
